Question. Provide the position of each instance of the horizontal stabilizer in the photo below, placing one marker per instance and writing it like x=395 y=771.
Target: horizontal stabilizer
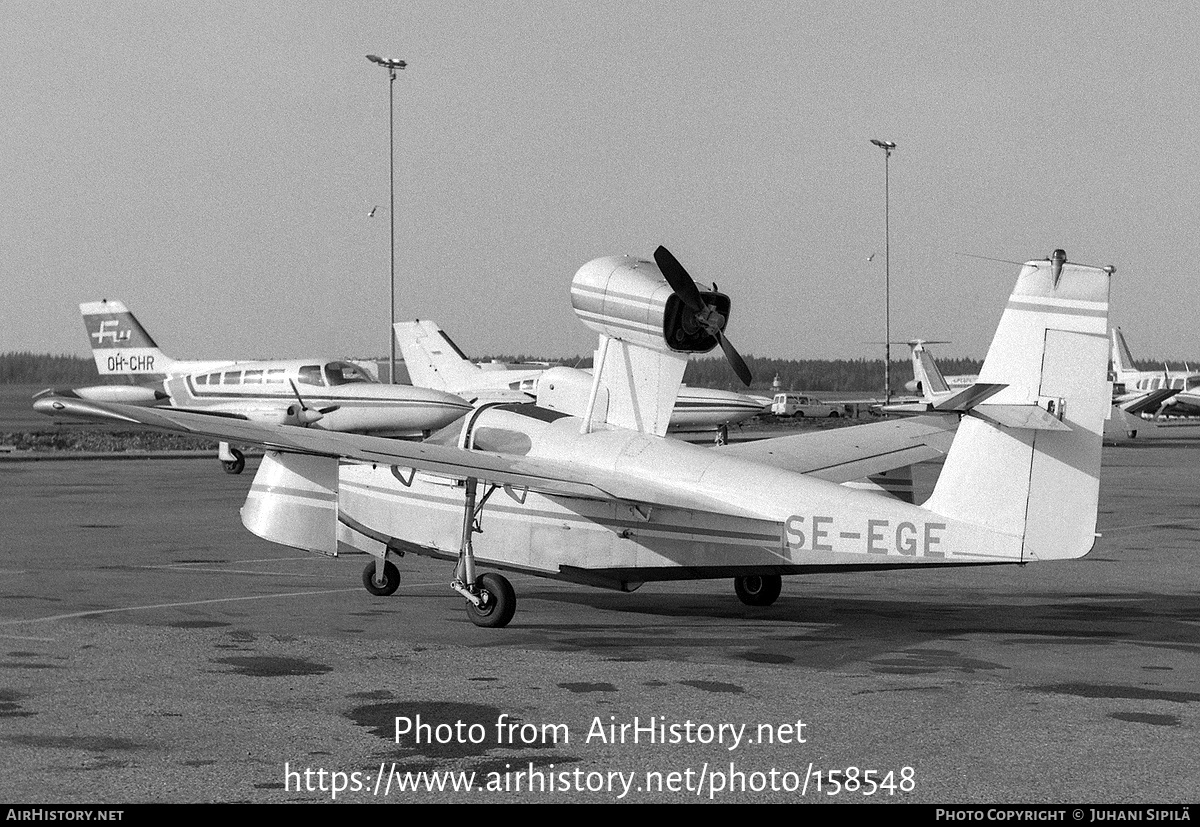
x=1028 y=417
x=968 y=398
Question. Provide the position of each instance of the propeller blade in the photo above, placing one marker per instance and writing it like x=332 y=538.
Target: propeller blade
x=330 y=409
x=296 y=391
x=307 y=415
x=679 y=279
x=735 y=360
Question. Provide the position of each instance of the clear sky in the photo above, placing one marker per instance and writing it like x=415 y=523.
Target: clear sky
x=213 y=165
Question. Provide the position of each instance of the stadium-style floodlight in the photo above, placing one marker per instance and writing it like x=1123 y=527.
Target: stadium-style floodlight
x=392 y=65
x=887 y=147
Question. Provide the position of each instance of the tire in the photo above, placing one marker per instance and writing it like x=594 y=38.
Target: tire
x=391 y=579
x=236 y=465
x=833 y=414
x=758 y=589
x=798 y=415
x=500 y=602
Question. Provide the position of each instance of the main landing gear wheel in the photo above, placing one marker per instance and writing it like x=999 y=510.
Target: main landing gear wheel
x=499 y=602
x=389 y=584
x=236 y=465
x=758 y=589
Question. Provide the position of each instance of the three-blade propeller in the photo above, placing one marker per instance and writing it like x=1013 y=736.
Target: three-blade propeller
x=706 y=315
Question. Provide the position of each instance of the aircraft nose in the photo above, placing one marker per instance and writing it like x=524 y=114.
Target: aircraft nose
x=448 y=399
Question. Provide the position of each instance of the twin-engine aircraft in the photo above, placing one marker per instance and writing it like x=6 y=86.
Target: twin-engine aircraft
x=1133 y=383
x=586 y=489
x=435 y=361
x=328 y=394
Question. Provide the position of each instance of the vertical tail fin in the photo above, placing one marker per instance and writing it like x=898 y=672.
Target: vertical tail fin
x=1122 y=359
x=432 y=358
x=926 y=373
x=120 y=345
x=1039 y=485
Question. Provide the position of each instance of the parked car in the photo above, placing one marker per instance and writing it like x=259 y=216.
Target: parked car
x=795 y=404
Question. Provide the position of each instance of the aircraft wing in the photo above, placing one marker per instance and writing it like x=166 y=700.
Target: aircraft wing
x=844 y=454
x=1138 y=404
x=543 y=476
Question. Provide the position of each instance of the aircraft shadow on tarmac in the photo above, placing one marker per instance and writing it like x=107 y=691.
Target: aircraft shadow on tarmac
x=892 y=634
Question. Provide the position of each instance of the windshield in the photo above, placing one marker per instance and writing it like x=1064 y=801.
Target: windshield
x=344 y=373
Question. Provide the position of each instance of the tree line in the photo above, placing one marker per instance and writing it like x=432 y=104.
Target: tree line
x=826 y=375
x=25 y=368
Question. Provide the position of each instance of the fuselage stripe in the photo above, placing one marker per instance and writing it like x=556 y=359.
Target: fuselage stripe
x=607 y=522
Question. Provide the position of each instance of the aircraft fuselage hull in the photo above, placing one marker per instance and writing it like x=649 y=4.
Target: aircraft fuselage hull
x=619 y=545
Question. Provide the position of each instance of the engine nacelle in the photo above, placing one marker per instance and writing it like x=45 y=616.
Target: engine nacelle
x=628 y=299
x=139 y=395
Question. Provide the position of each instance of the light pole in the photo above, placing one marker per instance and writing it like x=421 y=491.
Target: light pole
x=887 y=147
x=392 y=65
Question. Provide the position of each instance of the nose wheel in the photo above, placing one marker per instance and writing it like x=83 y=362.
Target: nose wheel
x=378 y=583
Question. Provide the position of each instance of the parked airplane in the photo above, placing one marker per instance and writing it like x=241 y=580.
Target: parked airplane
x=1132 y=382
x=435 y=361
x=599 y=498
x=927 y=379
x=939 y=394
x=1125 y=420
x=329 y=394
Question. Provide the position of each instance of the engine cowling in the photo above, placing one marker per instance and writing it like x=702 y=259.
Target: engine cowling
x=629 y=299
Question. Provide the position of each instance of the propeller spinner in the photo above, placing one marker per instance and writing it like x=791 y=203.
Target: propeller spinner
x=306 y=415
x=705 y=316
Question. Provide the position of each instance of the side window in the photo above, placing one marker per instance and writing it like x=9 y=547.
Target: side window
x=252 y=377
x=200 y=380
x=231 y=377
x=311 y=375
x=276 y=376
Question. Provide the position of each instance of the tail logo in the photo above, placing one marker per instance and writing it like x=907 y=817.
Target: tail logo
x=109 y=329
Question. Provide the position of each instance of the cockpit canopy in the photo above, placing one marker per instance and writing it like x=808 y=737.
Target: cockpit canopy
x=333 y=373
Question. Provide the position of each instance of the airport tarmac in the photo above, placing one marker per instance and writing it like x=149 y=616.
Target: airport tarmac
x=152 y=650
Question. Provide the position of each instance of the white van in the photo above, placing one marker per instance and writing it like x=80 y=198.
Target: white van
x=794 y=404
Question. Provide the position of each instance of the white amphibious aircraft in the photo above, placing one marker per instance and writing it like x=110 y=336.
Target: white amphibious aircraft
x=595 y=495
x=435 y=361
x=328 y=394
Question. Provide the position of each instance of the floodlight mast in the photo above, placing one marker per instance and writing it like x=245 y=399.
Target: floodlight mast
x=887 y=147
x=392 y=65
